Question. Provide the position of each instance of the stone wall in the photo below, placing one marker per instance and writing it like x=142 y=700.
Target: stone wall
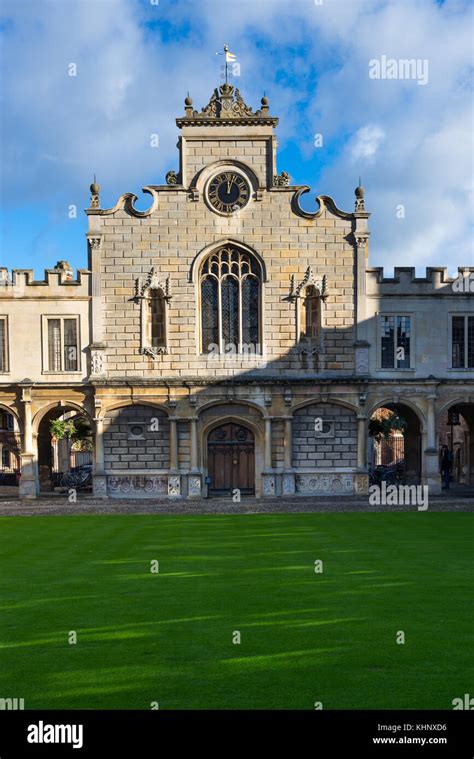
x=121 y=452
x=339 y=449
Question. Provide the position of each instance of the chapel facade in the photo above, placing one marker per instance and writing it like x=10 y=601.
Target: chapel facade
x=226 y=340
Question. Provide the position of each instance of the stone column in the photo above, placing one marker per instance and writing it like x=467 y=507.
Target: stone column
x=174 y=483
x=288 y=484
x=361 y=482
x=268 y=475
x=361 y=442
x=194 y=445
x=99 y=478
x=430 y=474
x=28 y=480
x=194 y=478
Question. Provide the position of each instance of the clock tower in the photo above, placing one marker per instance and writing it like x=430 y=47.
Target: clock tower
x=237 y=144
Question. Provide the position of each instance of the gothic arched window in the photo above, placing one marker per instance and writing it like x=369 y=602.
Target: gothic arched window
x=230 y=285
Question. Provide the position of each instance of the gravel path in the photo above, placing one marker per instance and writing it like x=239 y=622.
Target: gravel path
x=88 y=505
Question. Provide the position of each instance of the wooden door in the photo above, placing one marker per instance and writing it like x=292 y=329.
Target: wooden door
x=231 y=460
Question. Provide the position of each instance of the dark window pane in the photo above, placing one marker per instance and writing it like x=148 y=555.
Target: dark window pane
x=310 y=325
x=54 y=345
x=230 y=312
x=3 y=346
x=403 y=342
x=157 y=319
x=209 y=315
x=387 y=342
x=250 y=311
x=458 y=342
x=470 y=342
x=70 y=345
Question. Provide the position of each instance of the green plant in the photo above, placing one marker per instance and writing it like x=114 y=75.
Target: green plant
x=382 y=428
x=76 y=430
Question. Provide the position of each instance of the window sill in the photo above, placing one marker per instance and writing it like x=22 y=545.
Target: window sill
x=76 y=371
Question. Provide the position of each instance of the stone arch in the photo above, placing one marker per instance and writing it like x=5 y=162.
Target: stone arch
x=200 y=257
x=237 y=402
x=459 y=437
x=397 y=400
x=65 y=405
x=333 y=401
x=200 y=179
x=54 y=458
x=10 y=410
x=402 y=452
x=126 y=402
x=233 y=413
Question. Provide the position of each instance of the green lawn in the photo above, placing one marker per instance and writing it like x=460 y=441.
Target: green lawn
x=305 y=637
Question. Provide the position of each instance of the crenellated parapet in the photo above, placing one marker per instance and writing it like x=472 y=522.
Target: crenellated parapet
x=405 y=282
x=59 y=282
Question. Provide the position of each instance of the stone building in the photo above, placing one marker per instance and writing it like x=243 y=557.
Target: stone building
x=227 y=339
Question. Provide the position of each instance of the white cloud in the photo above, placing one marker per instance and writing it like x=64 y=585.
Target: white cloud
x=366 y=142
x=411 y=144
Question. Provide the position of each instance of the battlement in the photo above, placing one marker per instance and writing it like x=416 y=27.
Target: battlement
x=56 y=283
x=435 y=282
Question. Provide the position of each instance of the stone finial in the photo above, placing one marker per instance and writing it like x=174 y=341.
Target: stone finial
x=188 y=105
x=359 y=194
x=95 y=190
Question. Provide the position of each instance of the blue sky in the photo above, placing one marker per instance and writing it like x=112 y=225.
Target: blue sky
x=136 y=60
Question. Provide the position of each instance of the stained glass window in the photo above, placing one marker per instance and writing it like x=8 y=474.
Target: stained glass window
x=250 y=311
x=230 y=302
x=210 y=315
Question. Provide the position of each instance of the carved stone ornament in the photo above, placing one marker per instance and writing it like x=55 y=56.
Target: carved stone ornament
x=325 y=483
x=154 y=352
x=171 y=177
x=152 y=281
x=226 y=103
x=281 y=180
x=308 y=279
x=94 y=242
x=97 y=362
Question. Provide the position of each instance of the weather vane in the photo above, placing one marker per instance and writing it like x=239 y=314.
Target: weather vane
x=229 y=58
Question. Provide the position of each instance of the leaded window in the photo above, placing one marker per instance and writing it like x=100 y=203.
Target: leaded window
x=395 y=342
x=230 y=302
x=3 y=345
x=156 y=319
x=62 y=344
x=310 y=322
x=462 y=342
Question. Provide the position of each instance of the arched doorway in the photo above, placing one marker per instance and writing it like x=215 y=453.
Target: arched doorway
x=65 y=450
x=455 y=427
x=396 y=457
x=231 y=460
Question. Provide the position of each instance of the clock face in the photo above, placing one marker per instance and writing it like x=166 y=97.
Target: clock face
x=228 y=192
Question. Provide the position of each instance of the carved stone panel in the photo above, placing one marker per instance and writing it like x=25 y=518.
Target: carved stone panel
x=174 y=488
x=324 y=483
x=194 y=484
x=137 y=485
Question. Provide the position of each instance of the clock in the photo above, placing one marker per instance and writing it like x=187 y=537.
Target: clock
x=228 y=192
